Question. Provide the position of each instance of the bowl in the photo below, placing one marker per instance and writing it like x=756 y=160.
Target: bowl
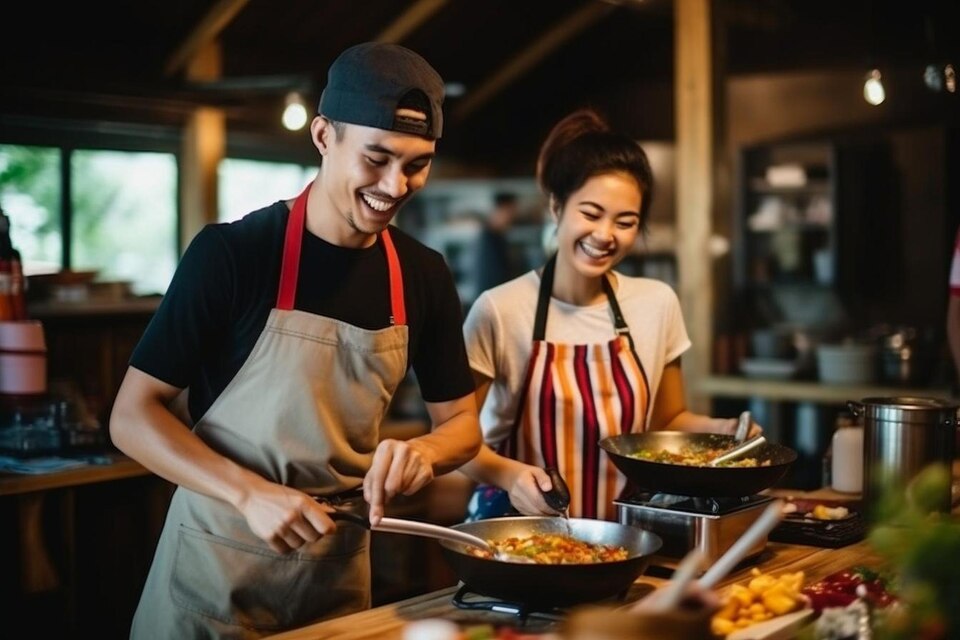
x=847 y=363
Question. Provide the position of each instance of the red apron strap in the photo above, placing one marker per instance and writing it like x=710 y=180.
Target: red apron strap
x=290 y=267
x=397 y=306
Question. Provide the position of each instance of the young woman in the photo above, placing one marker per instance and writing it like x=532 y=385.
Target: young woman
x=574 y=352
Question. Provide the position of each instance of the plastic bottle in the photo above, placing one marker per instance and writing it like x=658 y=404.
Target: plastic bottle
x=847 y=467
x=12 y=283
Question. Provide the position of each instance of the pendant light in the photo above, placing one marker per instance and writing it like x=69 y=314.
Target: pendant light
x=873 y=91
x=295 y=112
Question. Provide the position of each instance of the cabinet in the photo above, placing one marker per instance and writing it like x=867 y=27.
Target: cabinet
x=787 y=215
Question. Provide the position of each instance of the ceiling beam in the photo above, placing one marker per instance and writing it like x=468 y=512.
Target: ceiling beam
x=540 y=48
x=409 y=20
x=206 y=31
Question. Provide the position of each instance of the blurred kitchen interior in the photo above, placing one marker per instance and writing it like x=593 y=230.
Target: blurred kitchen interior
x=807 y=230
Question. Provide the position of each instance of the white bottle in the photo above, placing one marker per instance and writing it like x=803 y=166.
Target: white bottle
x=847 y=467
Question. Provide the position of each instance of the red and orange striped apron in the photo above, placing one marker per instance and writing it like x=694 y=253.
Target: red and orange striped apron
x=573 y=396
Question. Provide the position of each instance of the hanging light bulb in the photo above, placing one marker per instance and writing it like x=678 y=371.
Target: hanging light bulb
x=950 y=78
x=295 y=113
x=873 y=91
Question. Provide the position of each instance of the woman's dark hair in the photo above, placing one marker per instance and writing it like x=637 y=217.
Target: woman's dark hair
x=582 y=146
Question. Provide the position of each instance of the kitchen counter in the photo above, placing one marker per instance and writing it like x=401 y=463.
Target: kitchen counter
x=387 y=621
x=116 y=467
x=808 y=390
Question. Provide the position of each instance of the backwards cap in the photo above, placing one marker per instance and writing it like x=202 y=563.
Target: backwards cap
x=368 y=82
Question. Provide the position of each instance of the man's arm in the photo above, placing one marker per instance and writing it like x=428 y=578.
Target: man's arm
x=143 y=427
x=406 y=466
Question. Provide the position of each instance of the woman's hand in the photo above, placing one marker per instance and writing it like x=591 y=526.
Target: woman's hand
x=526 y=491
x=728 y=427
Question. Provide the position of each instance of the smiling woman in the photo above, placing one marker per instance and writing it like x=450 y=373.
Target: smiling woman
x=578 y=351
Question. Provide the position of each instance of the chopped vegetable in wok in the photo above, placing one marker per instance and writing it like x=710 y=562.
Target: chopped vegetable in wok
x=695 y=457
x=554 y=548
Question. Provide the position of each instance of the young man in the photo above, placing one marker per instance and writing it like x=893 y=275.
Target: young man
x=291 y=330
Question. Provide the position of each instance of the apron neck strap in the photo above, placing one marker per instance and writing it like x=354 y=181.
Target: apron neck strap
x=292 y=240
x=398 y=309
x=290 y=265
x=543 y=303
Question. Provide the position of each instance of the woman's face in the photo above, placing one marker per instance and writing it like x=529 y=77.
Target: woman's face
x=599 y=223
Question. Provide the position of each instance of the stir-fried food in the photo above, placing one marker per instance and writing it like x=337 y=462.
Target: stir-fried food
x=554 y=548
x=695 y=457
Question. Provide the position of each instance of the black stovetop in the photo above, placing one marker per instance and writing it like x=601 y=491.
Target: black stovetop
x=692 y=504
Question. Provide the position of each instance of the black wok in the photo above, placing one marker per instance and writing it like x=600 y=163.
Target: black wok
x=553 y=585
x=685 y=480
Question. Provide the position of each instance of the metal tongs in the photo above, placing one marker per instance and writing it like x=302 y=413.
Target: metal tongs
x=427 y=530
x=742 y=446
x=738 y=450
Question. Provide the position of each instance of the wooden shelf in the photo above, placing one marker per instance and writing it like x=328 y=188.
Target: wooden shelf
x=807 y=391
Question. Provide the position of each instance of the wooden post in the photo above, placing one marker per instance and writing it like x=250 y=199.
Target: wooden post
x=696 y=114
x=202 y=149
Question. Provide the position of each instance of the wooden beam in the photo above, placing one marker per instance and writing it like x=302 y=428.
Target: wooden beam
x=567 y=28
x=409 y=20
x=207 y=31
x=694 y=94
x=202 y=148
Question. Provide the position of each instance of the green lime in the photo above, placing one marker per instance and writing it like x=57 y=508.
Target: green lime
x=930 y=489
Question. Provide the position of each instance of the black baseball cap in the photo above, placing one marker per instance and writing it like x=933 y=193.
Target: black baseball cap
x=368 y=82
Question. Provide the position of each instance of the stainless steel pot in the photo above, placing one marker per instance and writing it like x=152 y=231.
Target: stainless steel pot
x=901 y=436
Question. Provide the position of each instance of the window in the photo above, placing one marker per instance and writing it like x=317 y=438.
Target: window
x=125 y=217
x=30 y=195
x=122 y=212
x=248 y=185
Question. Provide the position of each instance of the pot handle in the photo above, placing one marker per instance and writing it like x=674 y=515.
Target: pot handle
x=856 y=408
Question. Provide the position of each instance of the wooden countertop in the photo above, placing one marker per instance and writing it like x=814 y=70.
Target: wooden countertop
x=120 y=467
x=387 y=622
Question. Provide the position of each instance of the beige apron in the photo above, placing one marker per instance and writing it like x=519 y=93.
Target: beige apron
x=304 y=411
x=575 y=395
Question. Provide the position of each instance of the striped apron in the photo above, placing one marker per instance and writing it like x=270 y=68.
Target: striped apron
x=573 y=396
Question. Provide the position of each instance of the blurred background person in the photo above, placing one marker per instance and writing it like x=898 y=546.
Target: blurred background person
x=495 y=260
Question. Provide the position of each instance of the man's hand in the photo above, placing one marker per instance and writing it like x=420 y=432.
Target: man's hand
x=399 y=467
x=285 y=518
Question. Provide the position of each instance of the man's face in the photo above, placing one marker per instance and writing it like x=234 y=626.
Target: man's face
x=367 y=175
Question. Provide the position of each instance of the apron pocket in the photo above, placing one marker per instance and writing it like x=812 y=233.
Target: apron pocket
x=260 y=589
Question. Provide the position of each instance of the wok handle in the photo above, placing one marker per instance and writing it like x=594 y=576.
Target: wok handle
x=353 y=518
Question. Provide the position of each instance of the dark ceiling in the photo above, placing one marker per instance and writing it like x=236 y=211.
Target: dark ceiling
x=524 y=63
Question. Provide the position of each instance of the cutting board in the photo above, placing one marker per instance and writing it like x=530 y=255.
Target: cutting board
x=779 y=628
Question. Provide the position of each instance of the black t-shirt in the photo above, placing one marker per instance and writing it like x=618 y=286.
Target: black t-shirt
x=227 y=281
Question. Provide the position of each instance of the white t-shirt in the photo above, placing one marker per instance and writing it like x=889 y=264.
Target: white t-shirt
x=955 y=267
x=499 y=335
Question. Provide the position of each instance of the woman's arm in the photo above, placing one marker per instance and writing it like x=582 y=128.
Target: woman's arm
x=523 y=482
x=670 y=408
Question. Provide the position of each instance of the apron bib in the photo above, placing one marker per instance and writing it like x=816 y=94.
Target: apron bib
x=573 y=396
x=303 y=411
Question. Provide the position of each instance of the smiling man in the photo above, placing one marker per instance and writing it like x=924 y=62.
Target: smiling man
x=261 y=382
